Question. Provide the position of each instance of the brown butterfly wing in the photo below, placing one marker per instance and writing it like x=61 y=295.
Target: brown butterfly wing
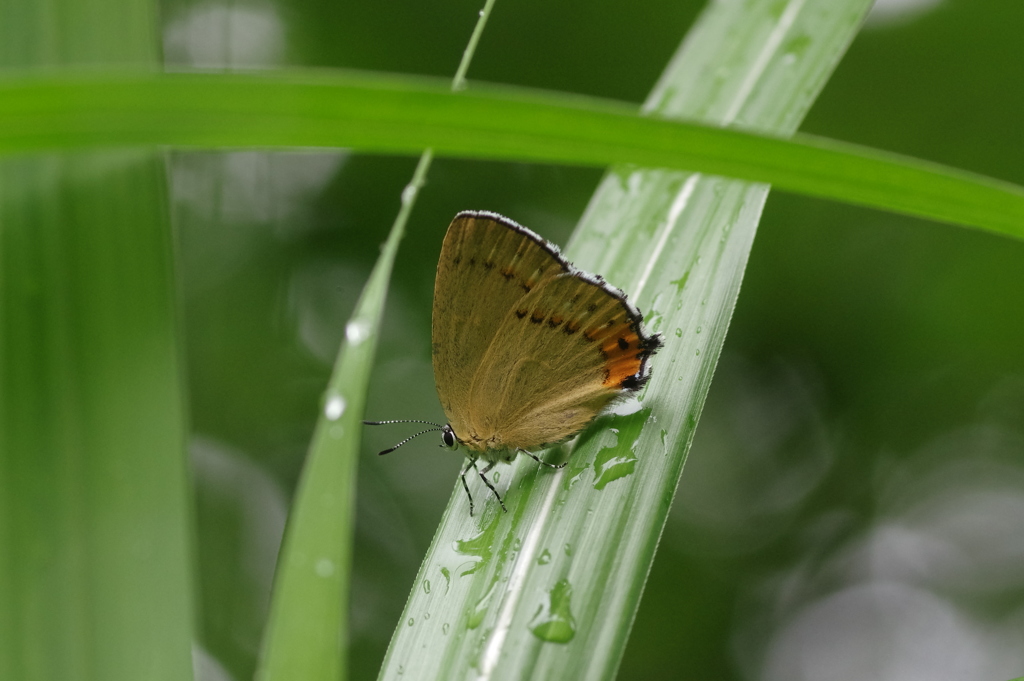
x=487 y=264
x=562 y=353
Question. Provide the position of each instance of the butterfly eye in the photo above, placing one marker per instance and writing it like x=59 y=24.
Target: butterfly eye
x=448 y=438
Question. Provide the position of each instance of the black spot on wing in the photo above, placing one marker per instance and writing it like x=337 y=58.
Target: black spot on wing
x=651 y=343
x=634 y=382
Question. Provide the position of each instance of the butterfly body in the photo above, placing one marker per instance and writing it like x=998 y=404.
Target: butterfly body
x=527 y=349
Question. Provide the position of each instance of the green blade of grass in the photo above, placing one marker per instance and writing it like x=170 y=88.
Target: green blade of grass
x=94 y=497
x=307 y=635
x=549 y=590
x=307 y=632
x=385 y=113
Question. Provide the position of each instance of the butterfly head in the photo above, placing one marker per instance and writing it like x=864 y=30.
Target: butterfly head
x=449 y=440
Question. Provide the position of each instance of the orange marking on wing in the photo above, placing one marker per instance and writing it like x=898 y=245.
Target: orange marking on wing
x=621 y=347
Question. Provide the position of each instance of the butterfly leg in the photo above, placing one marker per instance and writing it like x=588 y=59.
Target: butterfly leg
x=543 y=463
x=469 y=464
x=483 y=476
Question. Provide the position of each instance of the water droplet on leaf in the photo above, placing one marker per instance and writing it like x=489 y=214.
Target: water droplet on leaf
x=553 y=621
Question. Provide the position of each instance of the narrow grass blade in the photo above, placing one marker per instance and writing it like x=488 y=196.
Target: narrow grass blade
x=549 y=589
x=307 y=632
x=387 y=113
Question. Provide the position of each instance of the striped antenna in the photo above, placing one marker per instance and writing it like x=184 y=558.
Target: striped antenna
x=384 y=423
x=437 y=426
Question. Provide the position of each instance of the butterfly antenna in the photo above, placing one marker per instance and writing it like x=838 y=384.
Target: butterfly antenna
x=391 y=449
x=384 y=423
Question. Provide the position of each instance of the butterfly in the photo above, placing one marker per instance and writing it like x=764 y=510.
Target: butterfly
x=527 y=349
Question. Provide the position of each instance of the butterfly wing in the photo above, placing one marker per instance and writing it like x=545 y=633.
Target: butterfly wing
x=561 y=354
x=487 y=264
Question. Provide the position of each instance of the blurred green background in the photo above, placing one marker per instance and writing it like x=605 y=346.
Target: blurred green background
x=852 y=506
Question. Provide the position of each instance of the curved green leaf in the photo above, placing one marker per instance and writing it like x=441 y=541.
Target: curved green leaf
x=549 y=589
x=307 y=631
x=386 y=113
